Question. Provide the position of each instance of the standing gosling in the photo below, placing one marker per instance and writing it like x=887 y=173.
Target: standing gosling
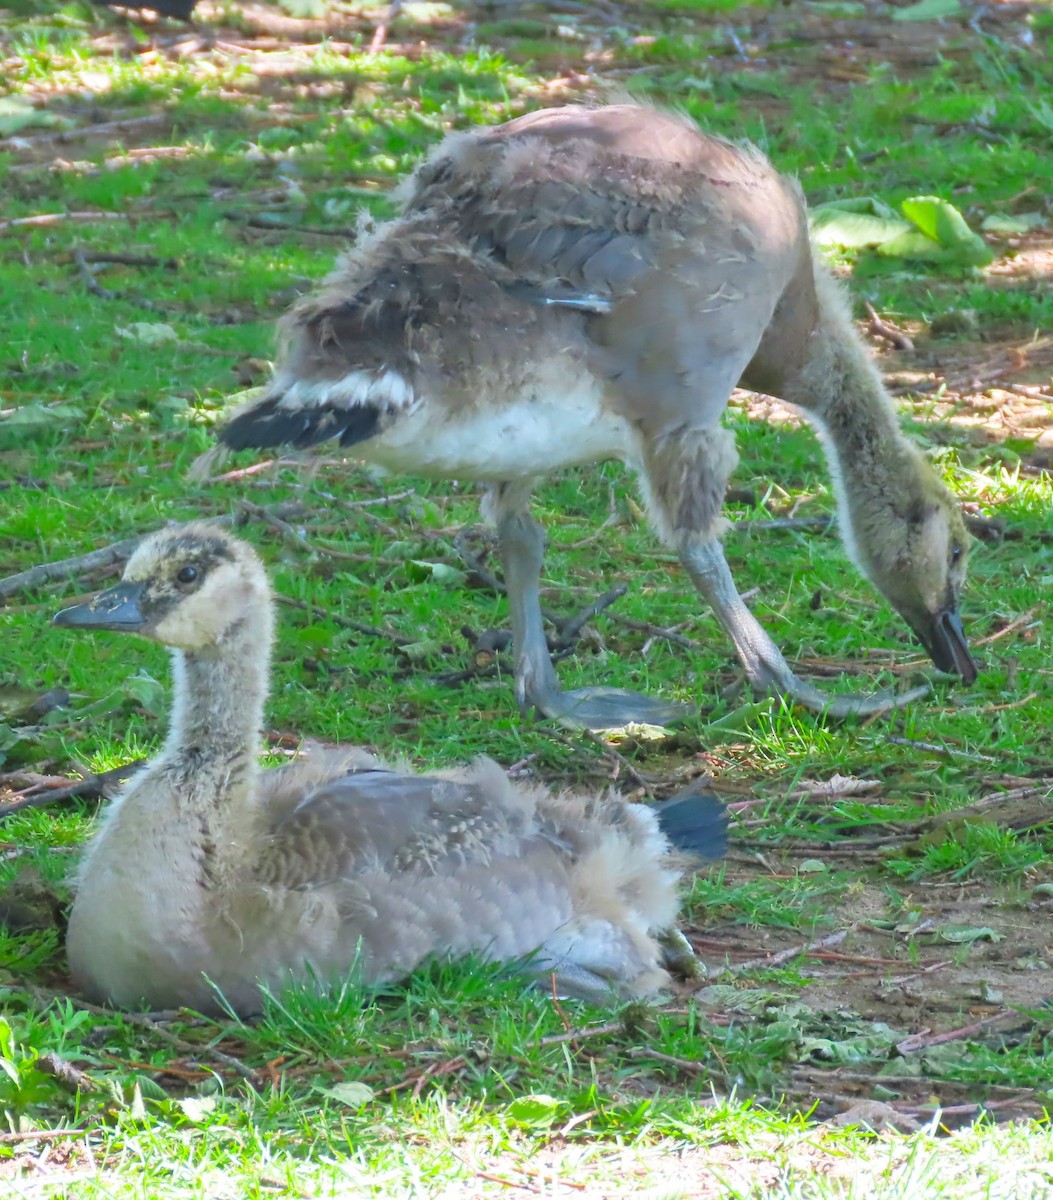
x=578 y=285
x=208 y=867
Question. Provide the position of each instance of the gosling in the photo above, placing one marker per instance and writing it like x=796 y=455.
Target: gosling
x=211 y=877
x=584 y=284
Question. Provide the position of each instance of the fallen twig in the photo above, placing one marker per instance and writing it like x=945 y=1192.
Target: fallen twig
x=72 y=1078
x=786 y=524
x=91 y=787
x=784 y=956
x=277 y=521
x=42 y=995
x=88 y=276
x=129 y=260
x=1016 y=623
x=655 y=631
x=569 y=630
x=55 y=218
x=685 y=1064
x=43 y=1135
x=943 y=751
x=380 y=34
x=925 y=1039
x=66 y=568
x=892 y=335
x=100 y=130
x=324 y=614
x=119 y=552
x=582 y=1034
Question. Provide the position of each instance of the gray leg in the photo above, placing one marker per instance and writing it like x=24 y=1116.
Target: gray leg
x=679 y=957
x=522 y=551
x=766 y=669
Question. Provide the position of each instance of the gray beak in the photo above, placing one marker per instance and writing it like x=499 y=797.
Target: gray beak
x=116 y=608
x=945 y=641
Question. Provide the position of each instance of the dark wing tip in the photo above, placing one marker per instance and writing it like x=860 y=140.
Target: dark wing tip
x=695 y=822
x=267 y=424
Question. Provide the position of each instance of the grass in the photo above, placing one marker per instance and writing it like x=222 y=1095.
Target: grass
x=921 y=884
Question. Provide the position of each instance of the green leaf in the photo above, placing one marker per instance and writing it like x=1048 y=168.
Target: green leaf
x=148 y=333
x=726 y=998
x=353 y=1093
x=927 y=10
x=303 y=8
x=30 y=419
x=420 y=651
x=963 y=934
x=537 y=1111
x=853 y=227
x=811 y=866
x=1011 y=224
x=17 y=114
x=743 y=717
x=945 y=225
x=932 y=231
x=436 y=572
x=146 y=691
x=11 y=1070
x=197 y=1108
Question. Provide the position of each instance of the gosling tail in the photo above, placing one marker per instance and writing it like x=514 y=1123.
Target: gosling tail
x=696 y=822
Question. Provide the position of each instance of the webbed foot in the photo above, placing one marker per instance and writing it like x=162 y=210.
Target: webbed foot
x=600 y=708
x=780 y=680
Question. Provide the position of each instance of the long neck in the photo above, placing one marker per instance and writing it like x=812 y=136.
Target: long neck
x=842 y=394
x=210 y=762
x=219 y=694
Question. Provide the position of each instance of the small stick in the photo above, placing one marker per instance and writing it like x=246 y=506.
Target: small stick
x=67 y=568
x=1032 y=393
x=55 y=218
x=474 y=563
x=107 y=127
x=90 y=282
x=129 y=260
x=655 y=631
x=143 y=1022
x=685 y=1064
x=785 y=956
x=555 y=1001
x=922 y=1041
x=44 y=1135
x=582 y=1034
x=240 y=473
x=270 y=517
x=72 y=1078
x=91 y=787
x=964 y=1110
x=791 y=524
x=569 y=631
x=944 y=751
x=1012 y=627
x=325 y=615
x=380 y=34
x=118 y=552
x=889 y=332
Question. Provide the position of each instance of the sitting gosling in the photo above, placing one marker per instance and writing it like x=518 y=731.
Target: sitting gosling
x=582 y=284
x=207 y=865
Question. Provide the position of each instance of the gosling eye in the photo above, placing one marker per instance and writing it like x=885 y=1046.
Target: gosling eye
x=956 y=553
x=186 y=576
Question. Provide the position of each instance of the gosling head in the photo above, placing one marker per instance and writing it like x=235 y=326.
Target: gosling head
x=187 y=587
x=914 y=547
